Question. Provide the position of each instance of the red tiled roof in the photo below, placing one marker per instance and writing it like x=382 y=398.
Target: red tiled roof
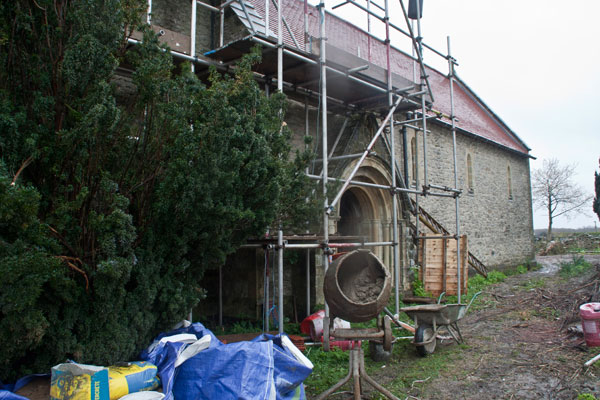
x=472 y=114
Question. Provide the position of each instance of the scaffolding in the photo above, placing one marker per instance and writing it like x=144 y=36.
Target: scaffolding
x=306 y=76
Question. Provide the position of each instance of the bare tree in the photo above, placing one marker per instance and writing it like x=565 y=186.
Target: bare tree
x=596 y=205
x=555 y=191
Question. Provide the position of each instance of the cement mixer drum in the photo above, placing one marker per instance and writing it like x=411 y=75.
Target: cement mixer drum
x=357 y=286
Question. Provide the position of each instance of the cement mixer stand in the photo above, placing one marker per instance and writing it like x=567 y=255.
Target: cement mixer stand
x=356 y=367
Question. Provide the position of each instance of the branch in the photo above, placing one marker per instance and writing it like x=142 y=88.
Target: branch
x=23 y=166
x=573 y=208
x=67 y=260
x=62 y=239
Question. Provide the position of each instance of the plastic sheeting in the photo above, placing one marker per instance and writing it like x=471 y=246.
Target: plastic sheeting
x=264 y=368
x=6 y=390
x=6 y=395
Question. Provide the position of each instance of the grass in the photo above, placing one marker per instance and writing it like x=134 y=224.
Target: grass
x=332 y=366
x=586 y=396
x=576 y=267
x=534 y=284
x=405 y=372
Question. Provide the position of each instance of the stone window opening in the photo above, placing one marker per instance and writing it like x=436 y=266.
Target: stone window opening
x=510 y=192
x=469 y=174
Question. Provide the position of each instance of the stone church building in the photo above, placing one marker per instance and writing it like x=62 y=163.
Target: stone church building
x=493 y=170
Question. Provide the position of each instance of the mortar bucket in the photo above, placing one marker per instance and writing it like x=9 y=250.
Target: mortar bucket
x=357 y=286
x=590 y=322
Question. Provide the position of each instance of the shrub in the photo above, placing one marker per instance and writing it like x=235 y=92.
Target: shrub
x=118 y=208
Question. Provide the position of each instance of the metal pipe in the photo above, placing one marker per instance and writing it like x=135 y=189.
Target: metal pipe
x=222 y=27
x=378 y=6
x=362 y=158
x=417 y=48
x=208 y=6
x=220 y=295
x=268 y=297
x=405 y=156
x=456 y=202
x=243 y=5
x=355 y=183
x=267 y=2
x=336 y=71
x=319 y=245
x=228 y=2
x=395 y=254
x=378 y=186
x=344 y=157
x=367 y=10
x=416 y=128
x=287 y=26
x=307 y=282
x=369 y=30
x=193 y=33
x=149 y=13
x=280 y=279
x=325 y=172
x=424 y=83
x=339 y=136
x=358 y=69
x=307 y=133
x=306 y=27
x=279 y=50
x=438 y=237
x=410 y=121
x=445 y=188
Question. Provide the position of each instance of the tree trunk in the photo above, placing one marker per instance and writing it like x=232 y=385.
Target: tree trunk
x=549 y=232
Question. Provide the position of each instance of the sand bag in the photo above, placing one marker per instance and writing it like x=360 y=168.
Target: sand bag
x=131 y=378
x=74 y=381
x=144 y=396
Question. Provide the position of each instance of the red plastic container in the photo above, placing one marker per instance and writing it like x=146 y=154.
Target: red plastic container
x=590 y=321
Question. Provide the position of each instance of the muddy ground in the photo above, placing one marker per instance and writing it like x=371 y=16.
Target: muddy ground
x=518 y=345
x=518 y=342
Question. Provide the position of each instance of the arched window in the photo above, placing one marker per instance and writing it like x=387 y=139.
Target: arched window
x=510 y=194
x=413 y=154
x=469 y=173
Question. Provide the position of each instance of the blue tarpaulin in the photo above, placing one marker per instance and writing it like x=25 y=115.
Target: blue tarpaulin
x=261 y=369
x=6 y=391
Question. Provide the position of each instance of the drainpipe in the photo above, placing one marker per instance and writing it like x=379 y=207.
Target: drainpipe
x=193 y=33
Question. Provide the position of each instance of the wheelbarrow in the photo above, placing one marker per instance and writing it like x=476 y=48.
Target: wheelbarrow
x=430 y=318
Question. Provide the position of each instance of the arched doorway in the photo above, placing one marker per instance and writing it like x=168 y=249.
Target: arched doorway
x=355 y=211
x=367 y=211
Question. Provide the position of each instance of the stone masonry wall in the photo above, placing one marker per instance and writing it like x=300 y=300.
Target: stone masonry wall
x=498 y=223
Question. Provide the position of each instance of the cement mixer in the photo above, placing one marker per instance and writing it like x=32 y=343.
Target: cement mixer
x=357 y=288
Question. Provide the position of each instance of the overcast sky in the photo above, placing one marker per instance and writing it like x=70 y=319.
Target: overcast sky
x=536 y=63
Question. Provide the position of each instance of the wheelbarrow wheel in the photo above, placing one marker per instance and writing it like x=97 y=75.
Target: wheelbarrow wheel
x=425 y=333
x=377 y=353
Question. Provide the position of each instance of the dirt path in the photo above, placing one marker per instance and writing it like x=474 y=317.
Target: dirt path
x=518 y=343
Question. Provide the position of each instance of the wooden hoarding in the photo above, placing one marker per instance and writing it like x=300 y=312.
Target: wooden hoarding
x=438 y=265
